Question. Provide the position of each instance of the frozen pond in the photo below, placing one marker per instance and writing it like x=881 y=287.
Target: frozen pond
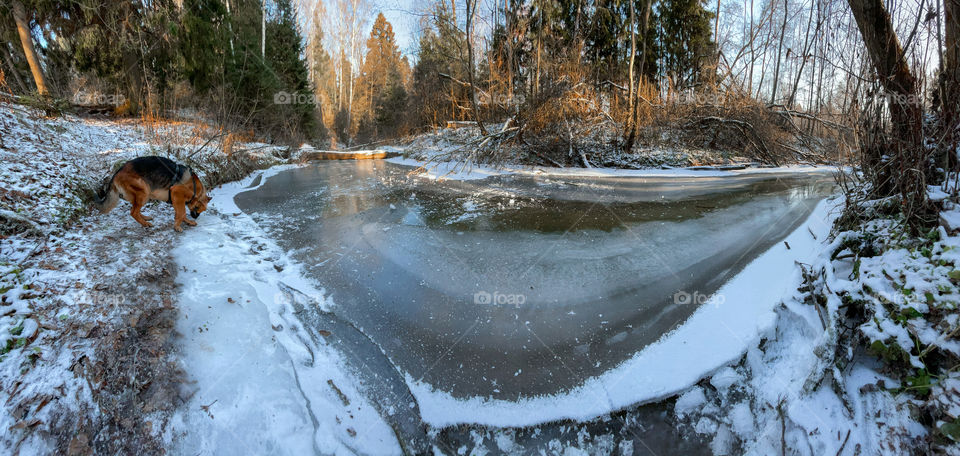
x=517 y=286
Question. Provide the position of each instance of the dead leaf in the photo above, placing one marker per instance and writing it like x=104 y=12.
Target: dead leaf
x=25 y=424
x=43 y=403
x=79 y=445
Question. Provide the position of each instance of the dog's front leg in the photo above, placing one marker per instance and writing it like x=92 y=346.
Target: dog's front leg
x=179 y=211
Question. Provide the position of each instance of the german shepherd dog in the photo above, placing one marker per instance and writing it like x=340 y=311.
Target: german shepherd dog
x=154 y=178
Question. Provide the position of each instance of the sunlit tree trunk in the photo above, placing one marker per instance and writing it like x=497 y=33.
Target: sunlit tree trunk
x=26 y=40
x=631 y=127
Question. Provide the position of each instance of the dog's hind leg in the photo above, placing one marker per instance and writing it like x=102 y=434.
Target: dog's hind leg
x=138 y=201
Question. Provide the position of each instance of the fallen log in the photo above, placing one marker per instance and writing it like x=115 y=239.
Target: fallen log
x=337 y=155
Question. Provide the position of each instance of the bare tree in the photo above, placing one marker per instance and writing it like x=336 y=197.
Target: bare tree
x=471 y=13
x=776 y=67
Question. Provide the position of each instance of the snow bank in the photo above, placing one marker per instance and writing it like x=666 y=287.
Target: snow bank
x=261 y=385
x=712 y=337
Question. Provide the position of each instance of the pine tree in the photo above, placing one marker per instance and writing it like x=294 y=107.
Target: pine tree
x=442 y=51
x=382 y=81
x=322 y=74
x=202 y=43
x=687 y=41
x=286 y=61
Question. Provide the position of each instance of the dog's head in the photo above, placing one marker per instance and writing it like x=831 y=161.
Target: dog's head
x=199 y=202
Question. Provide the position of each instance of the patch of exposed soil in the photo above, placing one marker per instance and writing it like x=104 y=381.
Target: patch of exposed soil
x=127 y=327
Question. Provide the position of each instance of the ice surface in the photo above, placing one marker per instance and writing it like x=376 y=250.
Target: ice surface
x=596 y=273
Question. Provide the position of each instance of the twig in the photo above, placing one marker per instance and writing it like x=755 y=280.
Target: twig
x=844 y=444
x=190 y=157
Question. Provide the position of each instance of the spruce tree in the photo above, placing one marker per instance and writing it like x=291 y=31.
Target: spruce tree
x=381 y=80
x=687 y=40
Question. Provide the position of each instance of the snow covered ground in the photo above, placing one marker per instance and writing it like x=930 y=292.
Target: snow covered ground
x=87 y=300
x=861 y=360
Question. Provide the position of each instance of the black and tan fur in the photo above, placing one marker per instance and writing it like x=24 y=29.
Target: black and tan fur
x=155 y=178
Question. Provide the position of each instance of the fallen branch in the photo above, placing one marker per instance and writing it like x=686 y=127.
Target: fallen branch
x=190 y=157
x=464 y=83
x=14 y=219
x=744 y=128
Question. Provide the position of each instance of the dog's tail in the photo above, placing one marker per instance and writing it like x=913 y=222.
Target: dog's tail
x=107 y=195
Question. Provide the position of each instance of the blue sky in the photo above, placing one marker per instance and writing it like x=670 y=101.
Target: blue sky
x=404 y=16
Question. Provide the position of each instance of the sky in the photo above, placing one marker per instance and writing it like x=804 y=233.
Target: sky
x=404 y=16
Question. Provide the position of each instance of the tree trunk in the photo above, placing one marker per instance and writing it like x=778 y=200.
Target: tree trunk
x=949 y=86
x=263 y=29
x=510 y=19
x=753 y=53
x=898 y=165
x=776 y=67
x=230 y=25
x=807 y=41
x=951 y=69
x=716 y=28
x=135 y=85
x=471 y=11
x=16 y=74
x=631 y=127
x=23 y=29
x=890 y=63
